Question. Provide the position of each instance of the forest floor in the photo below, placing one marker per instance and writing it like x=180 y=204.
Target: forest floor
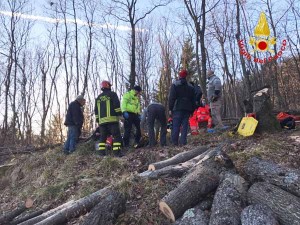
x=51 y=178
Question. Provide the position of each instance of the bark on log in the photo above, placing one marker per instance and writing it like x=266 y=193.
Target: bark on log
x=78 y=208
x=179 y=158
x=263 y=170
x=196 y=185
x=177 y=170
x=193 y=216
x=258 y=214
x=262 y=106
x=229 y=200
x=284 y=205
x=9 y=216
x=27 y=217
x=47 y=214
x=107 y=211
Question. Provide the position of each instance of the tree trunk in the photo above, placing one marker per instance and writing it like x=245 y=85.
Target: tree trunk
x=262 y=106
x=78 y=208
x=47 y=214
x=7 y=217
x=107 y=211
x=258 y=214
x=285 y=178
x=229 y=201
x=179 y=158
x=193 y=216
x=27 y=217
x=285 y=205
x=200 y=182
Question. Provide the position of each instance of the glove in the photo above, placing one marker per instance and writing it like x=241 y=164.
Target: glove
x=126 y=115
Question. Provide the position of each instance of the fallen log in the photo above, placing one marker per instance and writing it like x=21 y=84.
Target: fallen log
x=107 y=211
x=193 y=216
x=263 y=170
x=179 y=158
x=9 y=216
x=195 y=186
x=284 y=205
x=177 y=170
x=45 y=215
x=229 y=200
x=79 y=207
x=258 y=214
x=27 y=217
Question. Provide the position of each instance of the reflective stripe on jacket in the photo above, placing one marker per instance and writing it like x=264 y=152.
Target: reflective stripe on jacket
x=131 y=103
x=107 y=107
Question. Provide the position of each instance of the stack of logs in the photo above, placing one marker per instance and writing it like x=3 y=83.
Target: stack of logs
x=210 y=192
x=273 y=197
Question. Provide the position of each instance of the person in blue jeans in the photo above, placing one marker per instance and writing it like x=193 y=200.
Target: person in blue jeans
x=74 y=122
x=182 y=103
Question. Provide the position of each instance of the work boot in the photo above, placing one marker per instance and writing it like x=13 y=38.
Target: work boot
x=118 y=153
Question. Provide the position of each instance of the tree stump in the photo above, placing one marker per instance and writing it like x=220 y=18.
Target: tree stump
x=229 y=200
x=258 y=214
x=262 y=107
x=284 y=205
x=263 y=170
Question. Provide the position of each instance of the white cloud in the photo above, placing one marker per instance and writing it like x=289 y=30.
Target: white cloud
x=68 y=20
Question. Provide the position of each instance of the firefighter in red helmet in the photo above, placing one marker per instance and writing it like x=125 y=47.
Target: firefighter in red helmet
x=107 y=111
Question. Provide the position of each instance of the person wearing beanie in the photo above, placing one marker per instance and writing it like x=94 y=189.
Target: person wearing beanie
x=107 y=112
x=214 y=88
x=131 y=109
x=182 y=103
x=74 y=121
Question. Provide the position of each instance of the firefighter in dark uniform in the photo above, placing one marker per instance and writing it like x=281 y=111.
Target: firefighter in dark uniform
x=153 y=115
x=107 y=111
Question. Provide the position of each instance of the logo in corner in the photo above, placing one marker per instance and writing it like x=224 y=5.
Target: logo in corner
x=262 y=42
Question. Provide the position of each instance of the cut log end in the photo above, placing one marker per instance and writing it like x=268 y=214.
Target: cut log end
x=167 y=211
x=151 y=167
x=28 y=203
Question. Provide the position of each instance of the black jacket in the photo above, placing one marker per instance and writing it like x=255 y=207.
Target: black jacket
x=74 y=115
x=182 y=96
x=107 y=107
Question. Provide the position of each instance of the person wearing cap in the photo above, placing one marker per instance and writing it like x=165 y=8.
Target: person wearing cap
x=74 y=121
x=131 y=109
x=107 y=112
x=214 y=88
x=182 y=103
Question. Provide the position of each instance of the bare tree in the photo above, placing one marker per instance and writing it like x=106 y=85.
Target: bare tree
x=126 y=11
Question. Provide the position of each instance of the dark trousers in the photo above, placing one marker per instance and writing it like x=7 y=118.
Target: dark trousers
x=132 y=120
x=157 y=113
x=180 y=119
x=107 y=130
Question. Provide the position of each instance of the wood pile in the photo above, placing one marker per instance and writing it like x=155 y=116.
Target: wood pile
x=267 y=194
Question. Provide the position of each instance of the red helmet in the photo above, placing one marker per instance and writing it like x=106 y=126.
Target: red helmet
x=105 y=85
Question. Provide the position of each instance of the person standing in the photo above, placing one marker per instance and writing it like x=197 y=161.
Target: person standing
x=214 y=94
x=182 y=103
x=107 y=112
x=74 y=121
x=155 y=115
x=131 y=109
